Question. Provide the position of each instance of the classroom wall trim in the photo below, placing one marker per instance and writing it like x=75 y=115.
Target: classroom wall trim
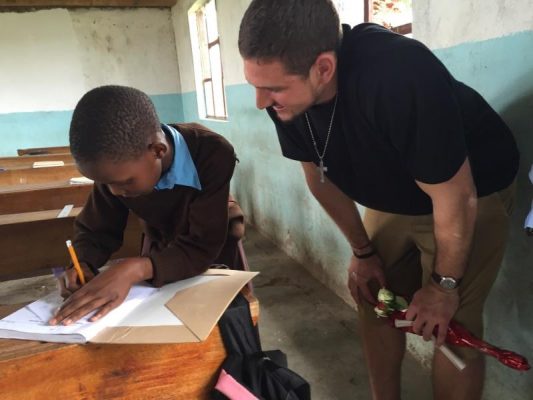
x=50 y=128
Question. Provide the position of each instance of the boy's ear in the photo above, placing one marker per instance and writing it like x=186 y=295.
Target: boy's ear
x=158 y=149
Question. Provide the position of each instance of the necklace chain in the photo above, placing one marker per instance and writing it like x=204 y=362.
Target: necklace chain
x=321 y=167
x=321 y=156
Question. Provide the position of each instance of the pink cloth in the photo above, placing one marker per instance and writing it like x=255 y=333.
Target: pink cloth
x=232 y=389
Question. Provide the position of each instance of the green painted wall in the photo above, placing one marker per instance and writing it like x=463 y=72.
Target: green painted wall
x=50 y=128
x=502 y=70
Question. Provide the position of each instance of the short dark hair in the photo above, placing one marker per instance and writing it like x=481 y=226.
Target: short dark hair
x=292 y=31
x=112 y=122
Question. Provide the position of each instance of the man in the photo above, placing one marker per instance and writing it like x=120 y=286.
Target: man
x=376 y=118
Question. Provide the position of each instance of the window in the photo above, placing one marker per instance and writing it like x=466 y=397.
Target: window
x=396 y=15
x=350 y=11
x=207 y=61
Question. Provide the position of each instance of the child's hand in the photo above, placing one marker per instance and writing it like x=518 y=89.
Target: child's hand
x=104 y=292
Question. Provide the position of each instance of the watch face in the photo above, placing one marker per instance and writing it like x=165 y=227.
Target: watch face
x=448 y=283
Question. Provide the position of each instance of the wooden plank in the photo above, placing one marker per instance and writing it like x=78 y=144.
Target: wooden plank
x=32 y=243
x=86 y=3
x=25 y=166
x=33 y=216
x=169 y=371
x=37 y=150
x=27 y=161
x=38 y=175
x=43 y=196
x=368 y=7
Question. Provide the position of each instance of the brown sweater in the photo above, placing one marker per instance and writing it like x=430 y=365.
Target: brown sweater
x=185 y=229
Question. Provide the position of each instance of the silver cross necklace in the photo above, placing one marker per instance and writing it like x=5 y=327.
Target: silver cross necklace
x=321 y=167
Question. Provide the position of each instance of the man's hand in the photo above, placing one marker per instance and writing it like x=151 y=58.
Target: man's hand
x=432 y=307
x=360 y=272
x=105 y=291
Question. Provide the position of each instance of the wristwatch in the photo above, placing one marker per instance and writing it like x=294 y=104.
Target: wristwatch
x=446 y=282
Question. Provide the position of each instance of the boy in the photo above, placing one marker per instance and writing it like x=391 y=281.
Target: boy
x=175 y=178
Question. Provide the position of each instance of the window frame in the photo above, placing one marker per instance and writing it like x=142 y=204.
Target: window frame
x=404 y=29
x=202 y=64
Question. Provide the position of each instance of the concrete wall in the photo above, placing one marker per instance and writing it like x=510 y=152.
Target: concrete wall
x=50 y=58
x=270 y=188
x=487 y=44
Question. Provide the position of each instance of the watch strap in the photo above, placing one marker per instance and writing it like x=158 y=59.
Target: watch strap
x=439 y=278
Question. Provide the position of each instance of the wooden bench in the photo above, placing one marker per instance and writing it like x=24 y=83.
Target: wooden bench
x=34 y=242
x=27 y=161
x=188 y=371
x=42 y=196
x=38 y=175
x=43 y=150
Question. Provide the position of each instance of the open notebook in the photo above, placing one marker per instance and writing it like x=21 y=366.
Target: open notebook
x=184 y=311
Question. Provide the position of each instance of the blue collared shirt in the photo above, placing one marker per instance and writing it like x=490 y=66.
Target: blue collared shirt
x=182 y=171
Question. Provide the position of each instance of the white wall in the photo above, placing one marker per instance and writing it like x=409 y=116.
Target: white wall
x=133 y=46
x=50 y=58
x=40 y=66
x=440 y=23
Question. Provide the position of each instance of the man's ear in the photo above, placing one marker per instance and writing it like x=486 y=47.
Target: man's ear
x=325 y=66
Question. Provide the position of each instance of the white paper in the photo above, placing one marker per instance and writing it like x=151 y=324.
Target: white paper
x=31 y=322
x=65 y=211
x=529 y=219
x=47 y=164
x=33 y=319
x=152 y=311
x=80 y=180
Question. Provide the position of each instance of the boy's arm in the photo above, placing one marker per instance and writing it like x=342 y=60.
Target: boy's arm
x=99 y=228
x=192 y=253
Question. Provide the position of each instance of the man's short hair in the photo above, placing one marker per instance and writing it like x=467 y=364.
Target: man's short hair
x=294 y=32
x=112 y=122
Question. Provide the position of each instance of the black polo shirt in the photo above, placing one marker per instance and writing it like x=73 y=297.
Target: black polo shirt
x=400 y=117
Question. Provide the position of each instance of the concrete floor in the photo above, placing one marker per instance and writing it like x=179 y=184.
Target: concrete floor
x=299 y=316
x=315 y=328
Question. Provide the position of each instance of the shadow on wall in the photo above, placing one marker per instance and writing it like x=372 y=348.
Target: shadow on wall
x=509 y=321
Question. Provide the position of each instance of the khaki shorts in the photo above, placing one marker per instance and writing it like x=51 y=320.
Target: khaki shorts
x=406 y=246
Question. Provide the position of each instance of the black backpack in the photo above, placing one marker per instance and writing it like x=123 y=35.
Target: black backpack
x=263 y=373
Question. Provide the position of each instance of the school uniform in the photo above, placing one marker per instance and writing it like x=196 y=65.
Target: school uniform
x=184 y=219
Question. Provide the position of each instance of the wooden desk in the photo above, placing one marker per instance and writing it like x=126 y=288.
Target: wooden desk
x=34 y=371
x=27 y=161
x=38 y=175
x=43 y=150
x=34 y=242
x=42 y=196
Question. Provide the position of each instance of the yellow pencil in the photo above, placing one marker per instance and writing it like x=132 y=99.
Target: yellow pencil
x=75 y=262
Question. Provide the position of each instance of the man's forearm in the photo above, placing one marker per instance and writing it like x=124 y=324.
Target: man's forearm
x=454 y=216
x=453 y=237
x=339 y=207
